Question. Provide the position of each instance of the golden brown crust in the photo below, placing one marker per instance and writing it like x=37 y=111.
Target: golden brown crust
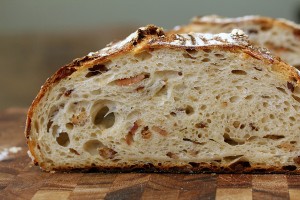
x=265 y=22
x=149 y=38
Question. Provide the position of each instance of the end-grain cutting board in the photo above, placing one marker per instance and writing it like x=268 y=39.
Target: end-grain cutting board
x=20 y=180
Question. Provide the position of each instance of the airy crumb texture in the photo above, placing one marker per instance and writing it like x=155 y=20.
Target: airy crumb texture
x=281 y=36
x=178 y=103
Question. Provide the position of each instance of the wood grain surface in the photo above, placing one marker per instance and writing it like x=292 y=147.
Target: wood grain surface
x=20 y=180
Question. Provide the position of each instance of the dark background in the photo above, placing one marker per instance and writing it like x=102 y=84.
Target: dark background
x=38 y=37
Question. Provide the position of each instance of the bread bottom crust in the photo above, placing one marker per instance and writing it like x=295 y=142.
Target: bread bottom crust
x=193 y=168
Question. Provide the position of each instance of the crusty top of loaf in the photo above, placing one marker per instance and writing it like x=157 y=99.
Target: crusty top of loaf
x=152 y=37
x=256 y=19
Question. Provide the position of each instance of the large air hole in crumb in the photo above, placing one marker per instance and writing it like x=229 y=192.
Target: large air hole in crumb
x=73 y=151
x=134 y=115
x=240 y=165
x=233 y=99
x=286 y=103
x=296 y=108
x=203 y=107
x=96 y=69
x=53 y=111
x=205 y=60
x=192 y=51
x=186 y=55
x=166 y=74
x=104 y=119
x=290 y=86
x=249 y=97
x=229 y=159
x=207 y=50
x=219 y=55
x=92 y=146
x=195 y=165
x=238 y=72
x=265 y=96
x=236 y=124
x=292 y=118
x=264 y=119
x=172 y=155
x=297 y=89
x=36 y=126
x=144 y=55
x=162 y=91
x=281 y=90
x=96 y=92
x=296 y=98
x=242 y=126
x=54 y=130
x=189 y=110
x=107 y=153
x=63 y=139
x=69 y=126
x=274 y=137
x=49 y=124
x=231 y=141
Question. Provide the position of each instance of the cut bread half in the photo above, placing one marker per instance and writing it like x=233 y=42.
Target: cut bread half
x=280 y=36
x=172 y=103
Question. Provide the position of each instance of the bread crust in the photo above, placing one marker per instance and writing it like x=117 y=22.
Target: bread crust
x=260 y=20
x=197 y=168
x=149 y=38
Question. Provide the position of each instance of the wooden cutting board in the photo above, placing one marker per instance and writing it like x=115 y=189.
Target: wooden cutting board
x=20 y=180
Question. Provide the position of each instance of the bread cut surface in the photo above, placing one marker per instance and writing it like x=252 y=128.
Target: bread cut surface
x=173 y=103
x=280 y=36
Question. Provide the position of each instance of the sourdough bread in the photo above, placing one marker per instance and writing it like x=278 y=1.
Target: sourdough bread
x=173 y=103
x=280 y=36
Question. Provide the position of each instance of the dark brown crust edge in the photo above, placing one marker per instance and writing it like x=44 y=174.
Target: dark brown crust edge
x=153 y=35
x=194 y=168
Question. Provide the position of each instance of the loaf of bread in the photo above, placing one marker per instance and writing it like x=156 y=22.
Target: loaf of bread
x=280 y=36
x=169 y=103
